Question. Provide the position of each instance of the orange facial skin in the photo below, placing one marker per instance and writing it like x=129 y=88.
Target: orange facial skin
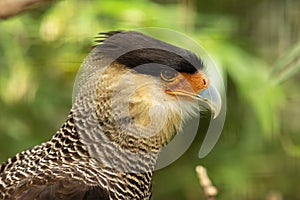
x=188 y=84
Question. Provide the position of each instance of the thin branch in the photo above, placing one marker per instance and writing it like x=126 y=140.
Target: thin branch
x=9 y=8
x=210 y=191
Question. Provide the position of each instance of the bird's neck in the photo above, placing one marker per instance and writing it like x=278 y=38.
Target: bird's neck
x=100 y=149
x=121 y=125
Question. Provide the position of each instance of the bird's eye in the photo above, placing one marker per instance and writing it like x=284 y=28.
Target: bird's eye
x=168 y=75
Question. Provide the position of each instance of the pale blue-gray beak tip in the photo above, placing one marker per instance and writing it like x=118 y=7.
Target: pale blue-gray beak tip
x=211 y=98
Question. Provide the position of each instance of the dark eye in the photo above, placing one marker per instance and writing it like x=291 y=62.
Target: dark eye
x=168 y=75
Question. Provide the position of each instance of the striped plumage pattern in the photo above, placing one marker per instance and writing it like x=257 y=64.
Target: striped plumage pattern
x=63 y=169
x=120 y=119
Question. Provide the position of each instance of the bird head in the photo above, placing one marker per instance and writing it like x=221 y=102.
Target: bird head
x=134 y=92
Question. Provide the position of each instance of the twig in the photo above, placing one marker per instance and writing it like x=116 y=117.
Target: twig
x=9 y=8
x=274 y=195
x=210 y=191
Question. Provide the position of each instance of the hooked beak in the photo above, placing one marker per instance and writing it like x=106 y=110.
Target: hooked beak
x=210 y=98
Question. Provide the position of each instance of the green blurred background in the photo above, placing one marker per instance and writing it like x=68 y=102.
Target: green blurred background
x=255 y=43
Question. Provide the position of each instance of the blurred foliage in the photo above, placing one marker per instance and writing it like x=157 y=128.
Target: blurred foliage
x=253 y=43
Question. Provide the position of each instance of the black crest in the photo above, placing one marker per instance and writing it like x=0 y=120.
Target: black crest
x=136 y=49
